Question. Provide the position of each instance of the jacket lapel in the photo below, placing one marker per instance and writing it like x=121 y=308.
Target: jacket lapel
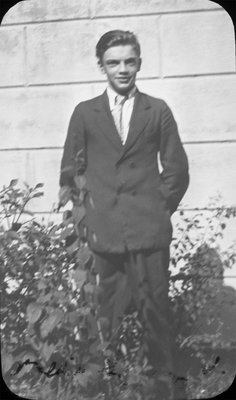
x=105 y=122
x=139 y=120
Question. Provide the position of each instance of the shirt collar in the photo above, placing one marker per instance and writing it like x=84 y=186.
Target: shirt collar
x=112 y=95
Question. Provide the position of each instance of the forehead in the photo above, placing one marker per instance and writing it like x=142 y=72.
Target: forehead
x=120 y=52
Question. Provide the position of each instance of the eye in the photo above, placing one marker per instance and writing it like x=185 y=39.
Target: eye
x=112 y=63
x=131 y=61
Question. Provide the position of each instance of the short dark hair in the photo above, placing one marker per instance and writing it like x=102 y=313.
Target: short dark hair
x=116 y=38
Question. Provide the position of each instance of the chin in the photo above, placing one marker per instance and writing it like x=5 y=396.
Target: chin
x=123 y=89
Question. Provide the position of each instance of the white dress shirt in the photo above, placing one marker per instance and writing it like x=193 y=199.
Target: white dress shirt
x=126 y=111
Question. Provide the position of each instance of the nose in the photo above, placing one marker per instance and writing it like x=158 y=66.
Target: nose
x=122 y=67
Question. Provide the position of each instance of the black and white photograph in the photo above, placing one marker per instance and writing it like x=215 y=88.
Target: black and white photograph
x=117 y=200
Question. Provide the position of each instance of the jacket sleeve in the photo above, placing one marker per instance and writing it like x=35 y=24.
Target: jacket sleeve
x=73 y=161
x=175 y=176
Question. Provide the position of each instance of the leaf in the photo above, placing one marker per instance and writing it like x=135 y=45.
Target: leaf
x=103 y=346
x=80 y=181
x=26 y=363
x=123 y=349
x=33 y=312
x=26 y=368
x=104 y=323
x=94 y=350
x=89 y=288
x=64 y=195
x=39 y=185
x=67 y=232
x=78 y=213
x=72 y=317
x=84 y=311
x=47 y=350
x=83 y=255
x=50 y=323
x=79 y=276
x=53 y=231
x=41 y=285
x=66 y=215
x=26 y=355
x=94 y=370
x=7 y=362
x=39 y=194
x=70 y=239
x=83 y=378
x=13 y=235
x=13 y=182
x=120 y=368
x=45 y=298
x=92 y=324
x=70 y=248
x=16 y=226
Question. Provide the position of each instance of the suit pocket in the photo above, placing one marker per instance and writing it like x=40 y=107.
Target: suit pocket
x=163 y=195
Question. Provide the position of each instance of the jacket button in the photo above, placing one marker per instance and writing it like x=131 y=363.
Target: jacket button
x=133 y=192
x=132 y=164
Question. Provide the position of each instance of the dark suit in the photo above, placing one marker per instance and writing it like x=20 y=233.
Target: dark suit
x=128 y=207
x=129 y=202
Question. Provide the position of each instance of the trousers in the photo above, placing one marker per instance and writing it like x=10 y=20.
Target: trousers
x=140 y=278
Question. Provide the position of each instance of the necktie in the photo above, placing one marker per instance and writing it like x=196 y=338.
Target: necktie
x=118 y=115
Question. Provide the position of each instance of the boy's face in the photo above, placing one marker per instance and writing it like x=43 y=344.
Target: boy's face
x=121 y=64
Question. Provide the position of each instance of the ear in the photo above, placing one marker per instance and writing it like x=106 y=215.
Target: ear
x=139 y=63
x=100 y=66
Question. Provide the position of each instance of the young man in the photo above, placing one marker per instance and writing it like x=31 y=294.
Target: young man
x=114 y=140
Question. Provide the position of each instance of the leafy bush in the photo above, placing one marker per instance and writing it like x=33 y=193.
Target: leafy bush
x=200 y=298
x=52 y=340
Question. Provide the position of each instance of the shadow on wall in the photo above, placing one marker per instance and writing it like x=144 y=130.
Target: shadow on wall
x=211 y=337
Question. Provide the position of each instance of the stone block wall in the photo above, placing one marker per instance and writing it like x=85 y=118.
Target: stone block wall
x=48 y=65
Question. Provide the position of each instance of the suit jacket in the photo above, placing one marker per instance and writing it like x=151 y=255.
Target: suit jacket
x=129 y=201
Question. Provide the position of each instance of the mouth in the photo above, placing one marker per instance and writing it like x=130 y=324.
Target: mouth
x=123 y=80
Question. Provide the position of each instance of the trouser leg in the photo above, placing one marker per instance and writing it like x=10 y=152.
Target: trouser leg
x=148 y=279
x=162 y=343
x=143 y=277
x=115 y=293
